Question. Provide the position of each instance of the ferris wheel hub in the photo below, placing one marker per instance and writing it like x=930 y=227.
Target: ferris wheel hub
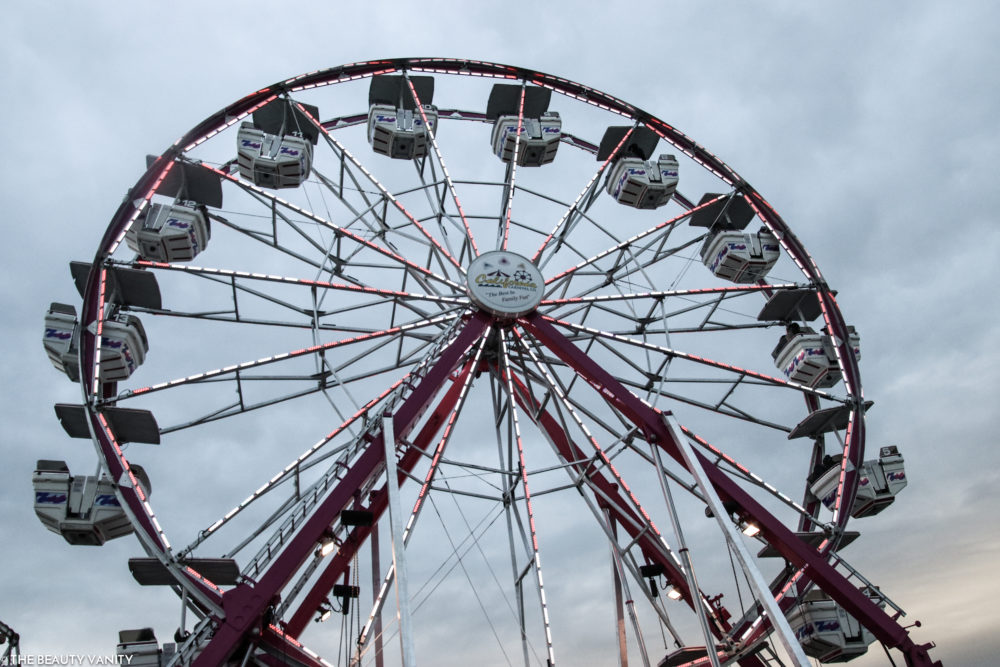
x=505 y=284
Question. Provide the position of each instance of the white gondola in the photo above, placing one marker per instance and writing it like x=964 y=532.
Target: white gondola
x=169 y=233
x=139 y=648
x=123 y=347
x=809 y=358
x=827 y=632
x=401 y=133
x=123 y=343
x=738 y=256
x=539 y=139
x=642 y=183
x=84 y=510
x=272 y=160
x=879 y=480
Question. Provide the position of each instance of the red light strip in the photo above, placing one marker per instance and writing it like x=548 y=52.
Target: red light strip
x=302 y=281
x=445 y=437
x=431 y=473
x=554 y=387
x=848 y=437
x=464 y=71
x=339 y=230
x=139 y=209
x=527 y=492
x=288 y=638
x=583 y=193
x=229 y=122
x=281 y=634
x=728 y=175
x=631 y=240
x=385 y=192
x=341 y=79
x=407 y=379
x=95 y=388
x=780 y=235
x=513 y=166
x=302 y=457
x=779 y=597
x=194 y=574
x=140 y=495
x=444 y=168
x=739 y=466
x=291 y=355
x=156 y=540
x=693 y=357
x=845 y=459
x=623 y=109
x=813 y=271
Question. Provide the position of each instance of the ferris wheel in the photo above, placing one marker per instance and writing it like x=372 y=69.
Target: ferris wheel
x=436 y=359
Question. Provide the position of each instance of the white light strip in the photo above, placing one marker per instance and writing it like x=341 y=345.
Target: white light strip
x=527 y=495
x=554 y=387
x=743 y=469
x=631 y=240
x=444 y=168
x=291 y=355
x=694 y=358
x=405 y=380
x=432 y=471
x=187 y=268
x=381 y=188
x=229 y=122
x=140 y=495
x=579 y=198
x=660 y=294
x=513 y=166
x=339 y=230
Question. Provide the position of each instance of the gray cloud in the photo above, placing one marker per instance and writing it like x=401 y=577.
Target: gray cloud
x=873 y=131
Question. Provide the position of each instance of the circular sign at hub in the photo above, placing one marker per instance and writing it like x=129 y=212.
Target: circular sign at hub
x=505 y=284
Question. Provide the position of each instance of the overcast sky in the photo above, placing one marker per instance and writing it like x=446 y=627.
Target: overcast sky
x=872 y=127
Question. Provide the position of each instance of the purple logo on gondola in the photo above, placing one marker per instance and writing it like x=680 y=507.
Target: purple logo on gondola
x=827 y=626
x=629 y=171
x=106 y=500
x=285 y=150
x=830 y=499
x=896 y=476
x=800 y=357
x=247 y=143
x=58 y=333
x=47 y=498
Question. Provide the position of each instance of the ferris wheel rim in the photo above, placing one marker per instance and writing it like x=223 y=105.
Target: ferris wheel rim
x=138 y=507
